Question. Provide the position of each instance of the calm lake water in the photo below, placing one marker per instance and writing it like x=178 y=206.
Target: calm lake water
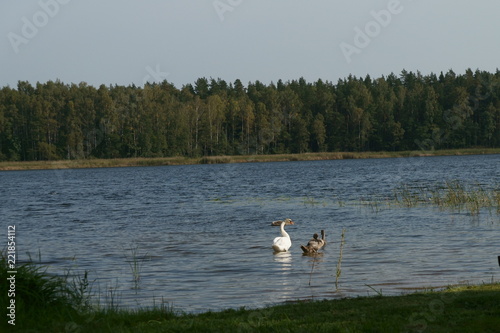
x=202 y=238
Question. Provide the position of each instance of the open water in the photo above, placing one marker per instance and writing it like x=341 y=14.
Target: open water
x=198 y=237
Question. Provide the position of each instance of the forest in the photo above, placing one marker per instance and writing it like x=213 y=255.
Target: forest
x=409 y=111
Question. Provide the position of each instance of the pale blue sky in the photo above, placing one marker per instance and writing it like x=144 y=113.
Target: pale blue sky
x=124 y=42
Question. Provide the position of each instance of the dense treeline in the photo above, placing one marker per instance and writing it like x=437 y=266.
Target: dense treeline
x=211 y=117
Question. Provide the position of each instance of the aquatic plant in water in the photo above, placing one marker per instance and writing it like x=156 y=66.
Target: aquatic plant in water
x=135 y=263
x=338 y=270
x=452 y=194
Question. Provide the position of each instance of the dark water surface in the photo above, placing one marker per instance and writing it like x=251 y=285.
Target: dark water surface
x=202 y=239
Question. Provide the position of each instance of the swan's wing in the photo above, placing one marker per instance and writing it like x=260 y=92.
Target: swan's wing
x=282 y=240
x=316 y=243
x=282 y=243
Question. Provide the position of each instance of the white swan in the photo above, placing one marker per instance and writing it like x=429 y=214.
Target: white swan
x=283 y=243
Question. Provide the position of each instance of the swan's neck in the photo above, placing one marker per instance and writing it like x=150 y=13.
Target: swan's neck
x=283 y=232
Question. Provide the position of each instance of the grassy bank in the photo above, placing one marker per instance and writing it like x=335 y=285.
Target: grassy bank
x=46 y=303
x=464 y=309
x=128 y=162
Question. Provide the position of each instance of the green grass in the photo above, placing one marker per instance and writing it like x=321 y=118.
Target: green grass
x=179 y=160
x=40 y=299
x=53 y=304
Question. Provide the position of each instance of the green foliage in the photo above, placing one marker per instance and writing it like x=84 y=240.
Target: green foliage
x=411 y=112
x=40 y=299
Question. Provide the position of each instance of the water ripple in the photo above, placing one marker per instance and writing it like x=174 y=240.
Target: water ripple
x=199 y=236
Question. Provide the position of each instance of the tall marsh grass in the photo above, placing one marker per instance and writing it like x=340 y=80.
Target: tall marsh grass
x=451 y=194
x=136 y=262
x=48 y=303
x=338 y=270
x=40 y=299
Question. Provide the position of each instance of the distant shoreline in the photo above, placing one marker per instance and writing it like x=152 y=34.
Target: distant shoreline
x=163 y=161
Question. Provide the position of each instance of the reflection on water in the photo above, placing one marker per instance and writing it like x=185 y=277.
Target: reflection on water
x=203 y=237
x=284 y=258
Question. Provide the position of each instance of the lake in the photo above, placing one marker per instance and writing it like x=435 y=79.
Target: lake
x=198 y=237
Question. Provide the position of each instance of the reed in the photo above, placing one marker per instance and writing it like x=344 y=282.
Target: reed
x=81 y=288
x=315 y=257
x=452 y=194
x=112 y=299
x=46 y=304
x=178 y=160
x=403 y=196
x=496 y=199
x=338 y=271
x=378 y=292
x=215 y=160
x=40 y=299
x=136 y=262
x=311 y=201
x=375 y=205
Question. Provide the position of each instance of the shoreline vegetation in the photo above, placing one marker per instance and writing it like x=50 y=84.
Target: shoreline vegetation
x=164 y=161
x=48 y=303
